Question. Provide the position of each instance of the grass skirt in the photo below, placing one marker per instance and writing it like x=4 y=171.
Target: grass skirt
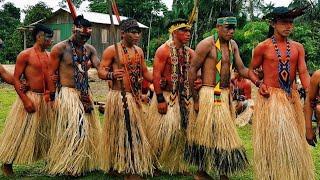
x=26 y=136
x=74 y=149
x=280 y=148
x=116 y=152
x=167 y=137
x=213 y=139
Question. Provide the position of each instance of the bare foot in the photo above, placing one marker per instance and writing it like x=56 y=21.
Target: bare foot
x=223 y=177
x=7 y=169
x=202 y=175
x=132 y=177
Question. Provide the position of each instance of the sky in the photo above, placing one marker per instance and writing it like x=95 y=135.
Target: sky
x=22 y=4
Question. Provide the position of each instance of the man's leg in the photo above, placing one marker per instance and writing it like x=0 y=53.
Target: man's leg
x=202 y=175
x=132 y=177
x=7 y=169
x=224 y=177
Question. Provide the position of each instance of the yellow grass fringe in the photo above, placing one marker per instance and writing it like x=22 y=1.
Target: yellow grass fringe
x=280 y=148
x=74 y=149
x=26 y=137
x=213 y=139
x=116 y=153
x=167 y=137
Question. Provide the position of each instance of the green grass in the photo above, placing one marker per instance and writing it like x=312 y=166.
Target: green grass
x=35 y=171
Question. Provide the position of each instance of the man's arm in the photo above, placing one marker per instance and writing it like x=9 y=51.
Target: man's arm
x=53 y=65
x=20 y=66
x=104 y=71
x=243 y=71
x=147 y=75
x=6 y=76
x=256 y=62
x=94 y=57
x=311 y=95
x=159 y=64
x=302 y=68
x=201 y=53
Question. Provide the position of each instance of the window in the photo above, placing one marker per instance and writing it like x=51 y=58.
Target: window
x=56 y=35
x=104 y=35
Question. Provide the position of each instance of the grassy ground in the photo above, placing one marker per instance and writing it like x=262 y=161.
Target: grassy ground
x=8 y=96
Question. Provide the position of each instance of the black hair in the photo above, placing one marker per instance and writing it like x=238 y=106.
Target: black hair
x=176 y=21
x=129 y=23
x=225 y=13
x=38 y=28
x=81 y=21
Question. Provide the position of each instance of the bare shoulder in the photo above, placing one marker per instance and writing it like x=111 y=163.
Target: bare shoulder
x=139 y=49
x=163 y=51
x=207 y=42
x=262 y=45
x=90 y=47
x=23 y=55
x=234 y=44
x=296 y=44
x=109 y=49
x=316 y=75
x=59 y=46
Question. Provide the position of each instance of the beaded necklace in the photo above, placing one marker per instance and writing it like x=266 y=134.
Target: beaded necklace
x=180 y=67
x=134 y=71
x=283 y=66
x=80 y=69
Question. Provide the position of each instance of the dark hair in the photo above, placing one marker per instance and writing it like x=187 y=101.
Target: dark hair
x=81 y=21
x=225 y=13
x=129 y=23
x=38 y=28
x=176 y=21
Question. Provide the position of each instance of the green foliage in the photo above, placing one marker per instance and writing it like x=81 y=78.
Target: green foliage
x=9 y=22
x=155 y=43
x=37 y=12
x=76 y=3
x=309 y=36
x=249 y=37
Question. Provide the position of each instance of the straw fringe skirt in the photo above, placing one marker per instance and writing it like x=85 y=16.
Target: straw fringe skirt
x=245 y=117
x=116 y=151
x=280 y=149
x=213 y=139
x=74 y=149
x=167 y=137
x=26 y=136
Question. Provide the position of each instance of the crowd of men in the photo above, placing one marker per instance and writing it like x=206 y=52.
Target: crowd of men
x=189 y=121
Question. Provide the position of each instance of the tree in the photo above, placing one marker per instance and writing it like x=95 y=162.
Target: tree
x=37 y=12
x=9 y=22
x=76 y=3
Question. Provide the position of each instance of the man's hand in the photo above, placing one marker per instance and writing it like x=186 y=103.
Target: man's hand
x=196 y=106
x=263 y=90
x=311 y=137
x=162 y=107
x=55 y=78
x=29 y=106
x=197 y=84
x=24 y=87
x=118 y=73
